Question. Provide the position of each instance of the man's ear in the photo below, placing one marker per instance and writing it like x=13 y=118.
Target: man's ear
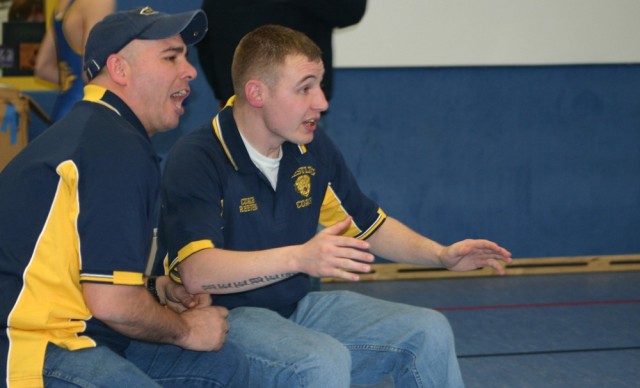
x=118 y=68
x=255 y=92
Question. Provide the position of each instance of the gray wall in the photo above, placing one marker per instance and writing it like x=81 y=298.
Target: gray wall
x=419 y=33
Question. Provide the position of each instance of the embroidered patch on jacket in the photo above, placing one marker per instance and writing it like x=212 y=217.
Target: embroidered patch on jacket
x=302 y=184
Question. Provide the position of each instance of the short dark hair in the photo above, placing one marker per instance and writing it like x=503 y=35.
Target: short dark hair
x=262 y=51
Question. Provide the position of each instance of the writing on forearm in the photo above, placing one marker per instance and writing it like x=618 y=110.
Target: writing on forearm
x=248 y=283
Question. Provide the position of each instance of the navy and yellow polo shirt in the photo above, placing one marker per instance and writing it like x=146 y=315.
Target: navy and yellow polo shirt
x=214 y=196
x=75 y=206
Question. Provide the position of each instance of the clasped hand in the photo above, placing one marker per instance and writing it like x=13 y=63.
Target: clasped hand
x=178 y=299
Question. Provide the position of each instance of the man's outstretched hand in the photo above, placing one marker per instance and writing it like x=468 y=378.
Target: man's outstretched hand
x=470 y=254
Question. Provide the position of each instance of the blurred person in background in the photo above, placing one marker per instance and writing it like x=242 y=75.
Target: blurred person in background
x=59 y=59
x=230 y=20
x=26 y=11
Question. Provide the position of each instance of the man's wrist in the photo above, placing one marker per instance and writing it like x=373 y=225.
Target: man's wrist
x=440 y=256
x=151 y=287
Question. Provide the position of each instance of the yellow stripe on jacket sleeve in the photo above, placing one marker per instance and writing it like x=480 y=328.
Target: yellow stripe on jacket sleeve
x=379 y=221
x=185 y=252
x=332 y=212
x=118 y=277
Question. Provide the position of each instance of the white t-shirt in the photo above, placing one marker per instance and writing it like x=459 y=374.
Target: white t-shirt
x=268 y=166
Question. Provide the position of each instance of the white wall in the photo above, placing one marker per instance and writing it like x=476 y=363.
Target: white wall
x=491 y=32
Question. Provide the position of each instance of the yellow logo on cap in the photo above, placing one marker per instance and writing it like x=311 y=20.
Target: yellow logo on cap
x=147 y=11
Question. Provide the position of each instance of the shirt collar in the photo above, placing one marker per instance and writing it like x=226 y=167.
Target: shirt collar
x=102 y=96
x=228 y=134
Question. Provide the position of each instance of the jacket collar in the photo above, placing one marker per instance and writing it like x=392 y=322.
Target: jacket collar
x=102 y=96
x=228 y=134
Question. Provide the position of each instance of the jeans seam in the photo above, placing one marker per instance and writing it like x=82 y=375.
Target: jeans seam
x=380 y=348
x=193 y=379
x=57 y=375
x=279 y=364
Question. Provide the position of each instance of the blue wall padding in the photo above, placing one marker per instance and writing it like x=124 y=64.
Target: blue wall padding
x=544 y=160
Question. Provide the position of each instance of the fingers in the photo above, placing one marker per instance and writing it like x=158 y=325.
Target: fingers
x=491 y=247
x=494 y=258
x=339 y=228
x=330 y=238
x=350 y=248
x=207 y=328
x=482 y=248
x=488 y=254
x=473 y=254
x=222 y=311
x=347 y=258
x=224 y=326
x=177 y=307
x=329 y=254
x=491 y=259
x=201 y=300
x=348 y=271
x=495 y=264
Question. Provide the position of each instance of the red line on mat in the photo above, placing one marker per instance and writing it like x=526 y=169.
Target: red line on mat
x=537 y=305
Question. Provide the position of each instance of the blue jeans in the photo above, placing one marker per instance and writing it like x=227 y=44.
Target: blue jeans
x=339 y=338
x=145 y=365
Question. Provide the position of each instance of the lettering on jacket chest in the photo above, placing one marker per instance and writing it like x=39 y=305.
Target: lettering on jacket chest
x=248 y=204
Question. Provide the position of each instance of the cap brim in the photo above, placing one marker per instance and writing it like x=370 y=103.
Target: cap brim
x=192 y=26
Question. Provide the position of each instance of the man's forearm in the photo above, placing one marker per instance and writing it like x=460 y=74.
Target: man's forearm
x=133 y=312
x=396 y=242
x=218 y=271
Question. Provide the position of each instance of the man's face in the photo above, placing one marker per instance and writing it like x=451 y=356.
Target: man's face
x=159 y=82
x=294 y=103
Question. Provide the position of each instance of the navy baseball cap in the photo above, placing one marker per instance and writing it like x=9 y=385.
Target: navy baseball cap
x=116 y=30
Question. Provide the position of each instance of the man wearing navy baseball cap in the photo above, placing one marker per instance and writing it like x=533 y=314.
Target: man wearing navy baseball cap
x=116 y=30
x=76 y=225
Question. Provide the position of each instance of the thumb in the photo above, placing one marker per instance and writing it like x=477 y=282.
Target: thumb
x=202 y=300
x=338 y=228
